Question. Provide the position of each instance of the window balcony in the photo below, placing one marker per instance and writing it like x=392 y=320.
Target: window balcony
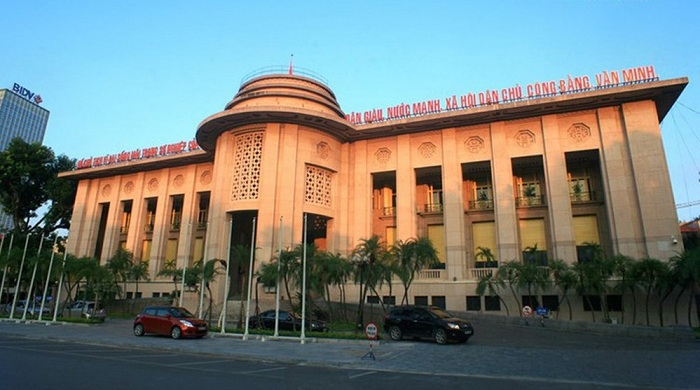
x=433 y=208
x=481 y=204
x=583 y=197
x=389 y=211
x=148 y=228
x=530 y=201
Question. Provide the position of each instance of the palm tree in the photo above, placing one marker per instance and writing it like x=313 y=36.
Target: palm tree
x=412 y=256
x=564 y=278
x=649 y=271
x=207 y=273
x=138 y=271
x=491 y=283
x=364 y=257
x=509 y=273
x=484 y=255
x=624 y=266
x=120 y=264
x=686 y=266
x=170 y=270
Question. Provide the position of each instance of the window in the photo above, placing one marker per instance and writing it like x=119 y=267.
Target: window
x=492 y=303
x=439 y=301
x=372 y=299
x=421 y=300
x=614 y=302
x=592 y=303
x=473 y=303
x=151 y=205
x=389 y=300
x=176 y=212
x=551 y=302
x=530 y=300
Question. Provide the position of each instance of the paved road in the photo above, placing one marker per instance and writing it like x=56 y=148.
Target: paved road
x=539 y=355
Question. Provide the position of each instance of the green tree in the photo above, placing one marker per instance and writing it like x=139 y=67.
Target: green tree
x=171 y=271
x=120 y=266
x=492 y=284
x=364 y=257
x=138 y=271
x=564 y=279
x=650 y=273
x=626 y=283
x=509 y=273
x=412 y=256
x=686 y=266
x=28 y=180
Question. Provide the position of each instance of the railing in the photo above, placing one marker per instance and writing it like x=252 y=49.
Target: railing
x=148 y=228
x=478 y=273
x=582 y=197
x=389 y=211
x=481 y=204
x=530 y=201
x=284 y=70
x=124 y=229
x=430 y=274
x=433 y=208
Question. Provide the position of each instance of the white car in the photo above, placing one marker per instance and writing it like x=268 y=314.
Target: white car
x=85 y=309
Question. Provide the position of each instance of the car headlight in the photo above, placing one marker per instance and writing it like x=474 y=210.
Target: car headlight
x=187 y=323
x=452 y=325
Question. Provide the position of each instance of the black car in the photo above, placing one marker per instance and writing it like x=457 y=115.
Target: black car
x=288 y=321
x=426 y=322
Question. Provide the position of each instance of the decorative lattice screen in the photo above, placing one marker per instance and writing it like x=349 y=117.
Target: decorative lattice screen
x=246 y=167
x=318 y=186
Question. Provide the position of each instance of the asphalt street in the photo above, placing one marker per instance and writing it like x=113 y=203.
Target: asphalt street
x=555 y=358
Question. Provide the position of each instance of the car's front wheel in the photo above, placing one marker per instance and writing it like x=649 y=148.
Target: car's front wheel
x=440 y=336
x=395 y=333
x=138 y=330
x=175 y=332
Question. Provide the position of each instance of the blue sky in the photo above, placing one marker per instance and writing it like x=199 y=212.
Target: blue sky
x=125 y=75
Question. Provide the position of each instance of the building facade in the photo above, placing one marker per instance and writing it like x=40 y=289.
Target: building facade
x=20 y=117
x=530 y=179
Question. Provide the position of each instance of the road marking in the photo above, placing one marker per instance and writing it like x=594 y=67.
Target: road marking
x=262 y=370
x=362 y=374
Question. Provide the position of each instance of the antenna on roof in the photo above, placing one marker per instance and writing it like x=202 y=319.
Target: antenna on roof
x=290 y=64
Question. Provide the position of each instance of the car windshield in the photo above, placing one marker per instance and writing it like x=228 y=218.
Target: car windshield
x=180 y=312
x=440 y=313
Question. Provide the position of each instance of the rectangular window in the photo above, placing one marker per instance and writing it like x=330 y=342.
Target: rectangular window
x=146 y=250
x=372 y=299
x=492 y=303
x=436 y=234
x=126 y=217
x=151 y=205
x=389 y=300
x=592 y=303
x=203 y=210
x=390 y=236
x=421 y=300
x=614 y=302
x=198 y=252
x=439 y=301
x=533 y=241
x=176 y=212
x=484 y=234
x=551 y=302
x=473 y=303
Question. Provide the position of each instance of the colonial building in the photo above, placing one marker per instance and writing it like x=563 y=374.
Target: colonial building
x=530 y=173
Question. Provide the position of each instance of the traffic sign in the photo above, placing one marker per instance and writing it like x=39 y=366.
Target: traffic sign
x=371 y=331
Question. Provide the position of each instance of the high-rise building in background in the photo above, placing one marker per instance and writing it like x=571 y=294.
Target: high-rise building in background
x=20 y=116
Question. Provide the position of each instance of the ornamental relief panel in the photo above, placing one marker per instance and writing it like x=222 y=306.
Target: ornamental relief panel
x=129 y=187
x=383 y=155
x=579 y=132
x=474 y=144
x=106 y=191
x=153 y=185
x=525 y=138
x=427 y=149
x=205 y=177
x=178 y=181
x=323 y=150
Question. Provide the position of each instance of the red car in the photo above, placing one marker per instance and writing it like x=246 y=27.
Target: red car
x=174 y=321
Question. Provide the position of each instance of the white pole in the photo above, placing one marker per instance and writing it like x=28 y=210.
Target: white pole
x=19 y=277
x=201 y=282
x=184 y=266
x=30 y=294
x=303 y=286
x=4 y=272
x=60 y=284
x=48 y=278
x=277 y=288
x=250 y=281
x=227 y=281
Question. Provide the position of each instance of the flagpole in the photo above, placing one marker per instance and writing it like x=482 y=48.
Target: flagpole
x=19 y=277
x=184 y=266
x=31 y=283
x=4 y=272
x=60 y=283
x=227 y=281
x=303 y=286
x=250 y=281
x=48 y=278
x=277 y=285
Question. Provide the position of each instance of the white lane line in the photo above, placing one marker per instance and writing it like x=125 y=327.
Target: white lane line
x=262 y=370
x=362 y=374
x=197 y=363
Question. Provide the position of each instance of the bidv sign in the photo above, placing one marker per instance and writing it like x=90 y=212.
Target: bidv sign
x=25 y=93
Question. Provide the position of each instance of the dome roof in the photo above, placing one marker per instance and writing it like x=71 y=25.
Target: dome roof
x=277 y=98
